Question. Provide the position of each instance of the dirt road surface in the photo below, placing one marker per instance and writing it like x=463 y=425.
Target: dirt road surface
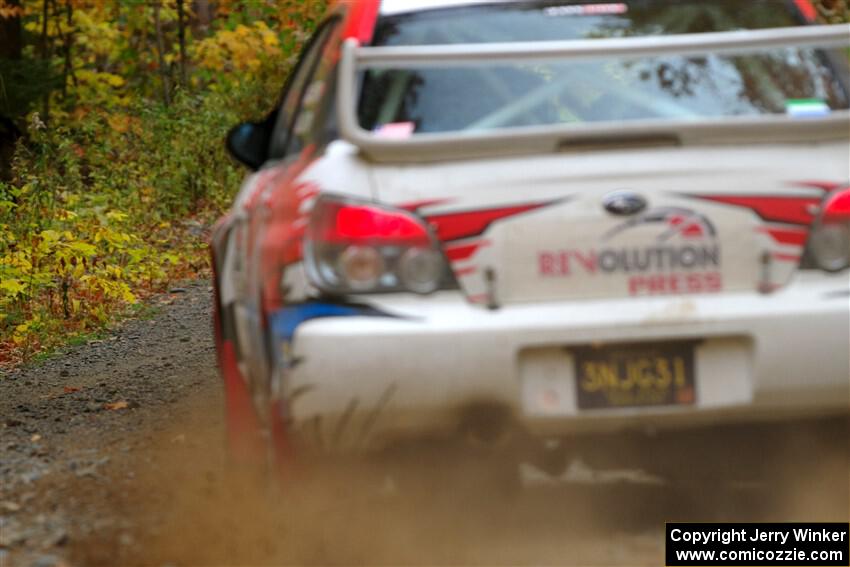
x=113 y=453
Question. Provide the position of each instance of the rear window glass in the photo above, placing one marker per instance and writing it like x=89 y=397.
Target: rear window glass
x=799 y=81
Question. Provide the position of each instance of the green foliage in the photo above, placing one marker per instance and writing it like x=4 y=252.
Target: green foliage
x=111 y=196
x=21 y=83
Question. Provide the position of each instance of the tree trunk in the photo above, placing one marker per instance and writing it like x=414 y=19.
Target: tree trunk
x=68 y=70
x=181 y=36
x=45 y=56
x=160 y=50
x=10 y=48
x=204 y=16
x=10 y=34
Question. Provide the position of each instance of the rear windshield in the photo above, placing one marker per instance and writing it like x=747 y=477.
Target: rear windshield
x=797 y=81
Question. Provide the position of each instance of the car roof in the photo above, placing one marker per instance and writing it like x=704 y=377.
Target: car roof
x=361 y=15
x=393 y=7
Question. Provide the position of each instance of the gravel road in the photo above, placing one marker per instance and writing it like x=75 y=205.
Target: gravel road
x=112 y=453
x=75 y=428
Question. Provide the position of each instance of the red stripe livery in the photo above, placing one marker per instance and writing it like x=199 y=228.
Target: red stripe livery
x=360 y=19
x=455 y=252
x=807 y=9
x=787 y=235
x=793 y=210
x=454 y=226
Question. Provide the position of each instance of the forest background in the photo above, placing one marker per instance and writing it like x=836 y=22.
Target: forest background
x=112 y=162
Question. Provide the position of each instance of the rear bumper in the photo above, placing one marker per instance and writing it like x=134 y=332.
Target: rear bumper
x=367 y=381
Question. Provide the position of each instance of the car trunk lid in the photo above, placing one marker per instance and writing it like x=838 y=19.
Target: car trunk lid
x=620 y=223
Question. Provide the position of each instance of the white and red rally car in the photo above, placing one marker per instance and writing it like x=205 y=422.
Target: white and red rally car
x=541 y=220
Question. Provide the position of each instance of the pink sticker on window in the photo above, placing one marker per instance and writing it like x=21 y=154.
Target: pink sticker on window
x=396 y=130
x=587 y=9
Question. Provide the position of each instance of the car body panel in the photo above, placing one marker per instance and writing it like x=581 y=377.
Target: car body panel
x=749 y=201
x=545 y=266
x=396 y=379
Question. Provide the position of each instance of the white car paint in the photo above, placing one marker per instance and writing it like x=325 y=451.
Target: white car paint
x=393 y=7
x=771 y=340
x=761 y=358
x=762 y=355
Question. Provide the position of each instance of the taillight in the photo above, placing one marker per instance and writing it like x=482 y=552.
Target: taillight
x=837 y=206
x=829 y=243
x=360 y=247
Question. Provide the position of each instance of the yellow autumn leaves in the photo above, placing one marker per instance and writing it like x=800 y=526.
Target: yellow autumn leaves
x=123 y=168
x=242 y=49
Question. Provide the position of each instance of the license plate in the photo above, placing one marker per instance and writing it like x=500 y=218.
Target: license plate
x=635 y=375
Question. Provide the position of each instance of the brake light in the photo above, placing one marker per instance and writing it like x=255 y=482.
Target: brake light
x=837 y=206
x=829 y=243
x=358 y=247
x=340 y=222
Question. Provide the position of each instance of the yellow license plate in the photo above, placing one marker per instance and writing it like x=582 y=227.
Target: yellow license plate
x=635 y=375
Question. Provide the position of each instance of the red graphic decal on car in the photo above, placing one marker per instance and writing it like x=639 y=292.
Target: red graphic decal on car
x=460 y=232
x=787 y=218
x=807 y=9
x=684 y=259
x=458 y=251
x=360 y=20
x=792 y=235
x=771 y=208
x=822 y=185
x=678 y=222
x=414 y=206
x=466 y=224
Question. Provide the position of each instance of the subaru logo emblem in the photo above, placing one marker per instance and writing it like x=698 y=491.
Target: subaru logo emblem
x=624 y=203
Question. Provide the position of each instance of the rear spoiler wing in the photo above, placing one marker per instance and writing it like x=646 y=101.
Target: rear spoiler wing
x=561 y=137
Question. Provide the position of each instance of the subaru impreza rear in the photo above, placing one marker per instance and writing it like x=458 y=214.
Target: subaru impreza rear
x=541 y=220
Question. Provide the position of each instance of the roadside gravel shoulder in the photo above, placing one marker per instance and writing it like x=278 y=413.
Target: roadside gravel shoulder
x=70 y=418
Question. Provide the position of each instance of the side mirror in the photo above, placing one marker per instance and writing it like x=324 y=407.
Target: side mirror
x=248 y=143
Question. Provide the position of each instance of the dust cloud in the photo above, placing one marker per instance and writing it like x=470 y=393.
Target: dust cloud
x=194 y=508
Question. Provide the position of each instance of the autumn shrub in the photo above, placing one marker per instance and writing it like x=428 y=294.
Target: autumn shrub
x=111 y=195
x=833 y=11
x=110 y=209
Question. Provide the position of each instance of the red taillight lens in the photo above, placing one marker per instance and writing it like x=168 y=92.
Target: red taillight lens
x=338 y=222
x=837 y=206
x=355 y=247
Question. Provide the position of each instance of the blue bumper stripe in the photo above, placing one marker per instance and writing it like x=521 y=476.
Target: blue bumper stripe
x=283 y=322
